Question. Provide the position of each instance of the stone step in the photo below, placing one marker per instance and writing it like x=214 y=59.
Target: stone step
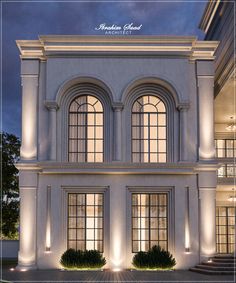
x=229 y=264
x=216 y=268
x=224 y=257
x=223 y=260
x=212 y=272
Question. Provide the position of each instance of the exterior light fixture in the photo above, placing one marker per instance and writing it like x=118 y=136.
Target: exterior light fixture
x=232 y=126
x=187 y=250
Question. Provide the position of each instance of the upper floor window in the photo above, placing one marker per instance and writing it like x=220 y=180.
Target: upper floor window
x=149 y=141
x=85 y=130
x=225 y=148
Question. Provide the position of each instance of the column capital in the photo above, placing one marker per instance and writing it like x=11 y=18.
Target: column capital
x=183 y=106
x=51 y=105
x=117 y=106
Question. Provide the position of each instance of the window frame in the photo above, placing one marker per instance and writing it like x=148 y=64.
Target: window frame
x=227 y=226
x=85 y=126
x=149 y=219
x=225 y=148
x=141 y=153
x=85 y=218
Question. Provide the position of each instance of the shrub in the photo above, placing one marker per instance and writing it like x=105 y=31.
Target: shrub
x=73 y=259
x=155 y=258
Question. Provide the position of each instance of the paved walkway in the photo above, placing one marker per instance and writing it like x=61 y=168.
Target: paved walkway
x=108 y=276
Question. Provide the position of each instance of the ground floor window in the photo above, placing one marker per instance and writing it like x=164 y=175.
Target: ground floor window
x=149 y=221
x=225 y=229
x=85 y=221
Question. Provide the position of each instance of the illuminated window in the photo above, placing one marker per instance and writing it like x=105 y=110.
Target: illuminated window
x=149 y=130
x=227 y=171
x=86 y=130
x=149 y=221
x=225 y=229
x=85 y=221
x=225 y=148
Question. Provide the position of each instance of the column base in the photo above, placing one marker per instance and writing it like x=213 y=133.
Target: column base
x=22 y=267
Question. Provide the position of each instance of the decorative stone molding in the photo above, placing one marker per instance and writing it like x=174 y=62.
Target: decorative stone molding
x=183 y=106
x=117 y=106
x=51 y=105
x=51 y=45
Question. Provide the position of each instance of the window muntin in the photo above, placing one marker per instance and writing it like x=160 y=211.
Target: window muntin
x=86 y=130
x=227 y=171
x=149 y=221
x=225 y=148
x=85 y=221
x=149 y=135
x=225 y=229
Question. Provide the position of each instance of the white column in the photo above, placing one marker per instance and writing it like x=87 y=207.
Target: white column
x=118 y=241
x=29 y=117
x=207 y=204
x=183 y=108
x=205 y=78
x=27 y=252
x=117 y=107
x=52 y=106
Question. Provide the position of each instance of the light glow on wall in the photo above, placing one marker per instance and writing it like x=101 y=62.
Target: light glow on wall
x=208 y=224
x=187 y=224
x=29 y=127
x=27 y=227
x=117 y=252
x=48 y=223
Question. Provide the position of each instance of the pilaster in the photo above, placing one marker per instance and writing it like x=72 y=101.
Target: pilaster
x=117 y=108
x=29 y=82
x=183 y=110
x=52 y=107
x=207 y=206
x=205 y=79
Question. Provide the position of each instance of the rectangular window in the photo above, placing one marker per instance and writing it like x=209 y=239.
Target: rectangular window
x=227 y=171
x=85 y=221
x=225 y=229
x=149 y=221
x=225 y=148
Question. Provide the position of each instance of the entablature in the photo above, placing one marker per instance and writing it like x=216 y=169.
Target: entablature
x=73 y=45
x=180 y=168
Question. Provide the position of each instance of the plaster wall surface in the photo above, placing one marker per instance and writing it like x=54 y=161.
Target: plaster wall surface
x=118 y=74
x=188 y=95
x=118 y=211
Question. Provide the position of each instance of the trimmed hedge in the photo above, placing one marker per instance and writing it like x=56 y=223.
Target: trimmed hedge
x=73 y=259
x=155 y=258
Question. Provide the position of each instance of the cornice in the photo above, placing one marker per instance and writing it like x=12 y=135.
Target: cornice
x=208 y=15
x=180 y=168
x=62 y=45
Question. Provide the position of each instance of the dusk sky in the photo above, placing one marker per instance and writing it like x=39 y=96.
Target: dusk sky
x=26 y=20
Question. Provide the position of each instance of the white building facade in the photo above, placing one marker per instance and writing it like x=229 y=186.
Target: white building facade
x=118 y=148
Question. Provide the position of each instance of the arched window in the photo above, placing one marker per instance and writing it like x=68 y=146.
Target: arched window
x=149 y=141
x=85 y=130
